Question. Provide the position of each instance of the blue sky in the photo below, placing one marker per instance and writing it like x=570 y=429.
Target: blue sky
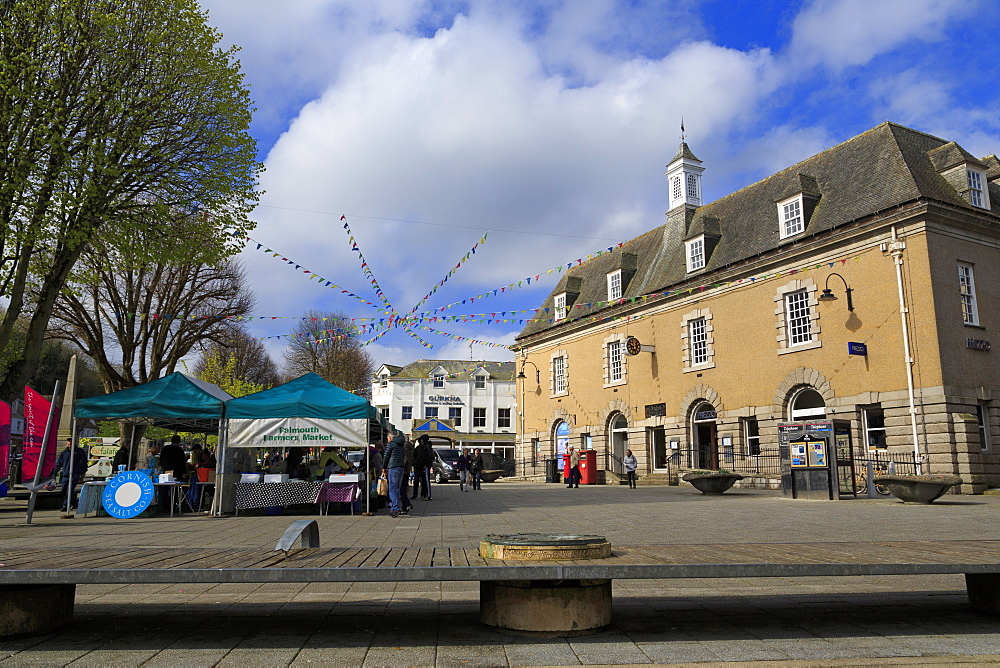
x=550 y=123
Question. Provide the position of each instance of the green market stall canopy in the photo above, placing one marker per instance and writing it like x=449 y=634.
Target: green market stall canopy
x=306 y=412
x=176 y=401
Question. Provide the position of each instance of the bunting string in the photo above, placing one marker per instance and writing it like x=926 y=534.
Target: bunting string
x=450 y=273
x=326 y=283
x=365 y=268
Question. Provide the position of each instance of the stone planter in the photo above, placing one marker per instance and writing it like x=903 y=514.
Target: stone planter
x=712 y=482
x=918 y=488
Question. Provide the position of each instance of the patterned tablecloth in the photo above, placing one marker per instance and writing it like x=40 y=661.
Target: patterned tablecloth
x=265 y=494
x=338 y=492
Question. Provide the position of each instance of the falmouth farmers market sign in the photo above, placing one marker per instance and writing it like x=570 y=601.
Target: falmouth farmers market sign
x=297 y=431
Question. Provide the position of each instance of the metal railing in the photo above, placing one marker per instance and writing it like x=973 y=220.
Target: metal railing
x=903 y=463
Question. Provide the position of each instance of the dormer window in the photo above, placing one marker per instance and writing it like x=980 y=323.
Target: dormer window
x=480 y=382
x=438 y=380
x=790 y=216
x=978 y=195
x=383 y=380
x=615 y=285
x=695 y=254
x=560 y=306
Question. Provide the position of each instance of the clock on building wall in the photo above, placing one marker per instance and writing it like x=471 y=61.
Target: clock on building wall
x=633 y=346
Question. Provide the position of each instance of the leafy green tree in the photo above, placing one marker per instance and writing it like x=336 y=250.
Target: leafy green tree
x=250 y=359
x=115 y=115
x=219 y=368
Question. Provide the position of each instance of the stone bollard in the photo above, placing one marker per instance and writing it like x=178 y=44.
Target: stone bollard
x=555 y=608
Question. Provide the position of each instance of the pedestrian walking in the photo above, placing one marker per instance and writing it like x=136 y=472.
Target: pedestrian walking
x=476 y=469
x=630 y=466
x=574 y=467
x=463 y=471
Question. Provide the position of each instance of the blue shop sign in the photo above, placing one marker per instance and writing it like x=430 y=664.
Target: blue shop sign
x=127 y=494
x=854 y=348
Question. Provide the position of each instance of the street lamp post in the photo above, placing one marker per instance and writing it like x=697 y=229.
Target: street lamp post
x=538 y=379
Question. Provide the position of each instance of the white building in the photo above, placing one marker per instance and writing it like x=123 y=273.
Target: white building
x=474 y=401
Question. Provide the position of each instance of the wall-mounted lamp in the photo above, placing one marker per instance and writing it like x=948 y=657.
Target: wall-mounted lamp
x=828 y=295
x=538 y=374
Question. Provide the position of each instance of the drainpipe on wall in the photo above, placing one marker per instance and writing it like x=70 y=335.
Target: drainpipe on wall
x=896 y=248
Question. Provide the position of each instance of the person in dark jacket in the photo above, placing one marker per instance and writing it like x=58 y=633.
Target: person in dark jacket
x=393 y=460
x=121 y=457
x=77 y=459
x=463 y=471
x=172 y=459
x=423 y=459
x=293 y=463
x=476 y=469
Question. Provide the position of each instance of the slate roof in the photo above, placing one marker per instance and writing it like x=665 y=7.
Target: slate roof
x=459 y=368
x=874 y=171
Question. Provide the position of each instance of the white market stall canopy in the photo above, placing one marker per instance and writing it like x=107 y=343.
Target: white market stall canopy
x=306 y=412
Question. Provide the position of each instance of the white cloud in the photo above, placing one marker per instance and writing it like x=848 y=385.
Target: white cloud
x=842 y=33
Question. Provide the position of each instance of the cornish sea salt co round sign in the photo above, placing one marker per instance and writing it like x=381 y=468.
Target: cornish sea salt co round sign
x=127 y=494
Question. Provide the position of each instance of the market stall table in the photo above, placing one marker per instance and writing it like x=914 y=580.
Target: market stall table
x=270 y=494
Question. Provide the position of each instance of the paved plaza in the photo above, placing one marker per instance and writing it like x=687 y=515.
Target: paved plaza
x=919 y=620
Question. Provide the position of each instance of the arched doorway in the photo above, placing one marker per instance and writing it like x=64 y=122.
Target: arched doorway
x=703 y=431
x=806 y=404
x=619 y=442
x=561 y=438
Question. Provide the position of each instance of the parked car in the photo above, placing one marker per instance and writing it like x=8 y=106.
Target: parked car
x=446 y=465
x=496 y=467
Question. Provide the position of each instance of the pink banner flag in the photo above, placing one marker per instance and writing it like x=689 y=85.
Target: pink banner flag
x=4 y=440
x=36 y=414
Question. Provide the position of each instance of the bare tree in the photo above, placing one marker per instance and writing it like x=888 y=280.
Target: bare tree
x=327 y=344
x=138 y=323
x=252 y=362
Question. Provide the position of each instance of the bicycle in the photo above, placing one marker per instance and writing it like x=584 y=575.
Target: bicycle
x=861 y=481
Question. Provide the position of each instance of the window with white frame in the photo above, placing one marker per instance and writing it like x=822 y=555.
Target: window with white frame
x=678 y=189
x=560 y=306
x=695 y=254
x=692 y=187
x=478 y=417
x=385 y=412
x=977 y=194
x=438 y=380
x=698 y=341
x=455 y=414
x=407 y=412
x=982 y=416
x=615 y=369
x=615 y=285
x=790 y=213
x=874 y=425
x=430 y=412
x=967 y=290
x=503 y=418
x=559 y=375
x=751 y=435
x=480 y=382
x=383 y=380
x=798 y=319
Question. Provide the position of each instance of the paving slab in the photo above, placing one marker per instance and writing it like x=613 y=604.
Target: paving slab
x=782 y=621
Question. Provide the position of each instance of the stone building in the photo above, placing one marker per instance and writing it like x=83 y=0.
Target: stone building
x=473 y=403
x=858 y=284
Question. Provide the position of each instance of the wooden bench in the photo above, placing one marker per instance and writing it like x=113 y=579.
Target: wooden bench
x=21 y=570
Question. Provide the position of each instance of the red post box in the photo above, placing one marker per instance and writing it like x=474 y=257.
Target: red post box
x=588 y=467
x=566 y=467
